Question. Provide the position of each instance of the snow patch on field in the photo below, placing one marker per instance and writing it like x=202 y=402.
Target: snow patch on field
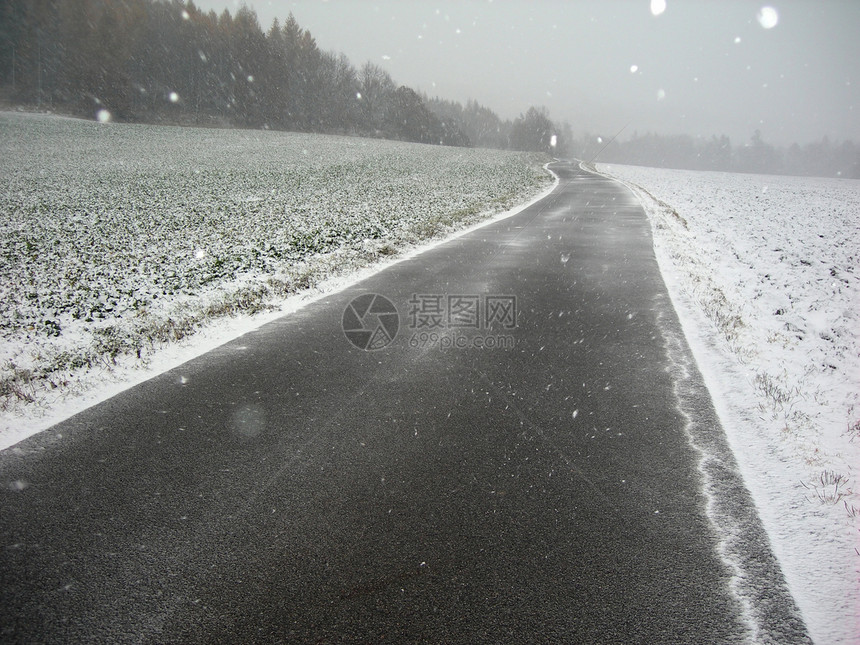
x=127 y=249
x=763 y=273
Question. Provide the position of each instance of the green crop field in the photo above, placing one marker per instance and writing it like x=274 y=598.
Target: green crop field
x=119 y=238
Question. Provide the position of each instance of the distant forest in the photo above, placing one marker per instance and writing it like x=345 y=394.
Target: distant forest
x=161 y=61
x=166 y=61
x=821 y=159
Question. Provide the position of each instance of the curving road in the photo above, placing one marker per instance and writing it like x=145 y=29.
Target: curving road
x=522 y=463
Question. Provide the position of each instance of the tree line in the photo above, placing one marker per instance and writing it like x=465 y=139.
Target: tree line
x=821 y=159
x=168 y=61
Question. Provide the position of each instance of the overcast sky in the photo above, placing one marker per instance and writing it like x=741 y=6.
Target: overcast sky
x=698 y=67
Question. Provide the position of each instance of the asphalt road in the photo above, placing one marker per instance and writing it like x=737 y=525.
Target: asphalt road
x=483 y=477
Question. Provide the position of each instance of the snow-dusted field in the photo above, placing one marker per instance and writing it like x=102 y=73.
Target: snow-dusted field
x=117 y=239
x=763 y=271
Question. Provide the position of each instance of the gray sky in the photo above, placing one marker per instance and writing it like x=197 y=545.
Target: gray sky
x=702 y=67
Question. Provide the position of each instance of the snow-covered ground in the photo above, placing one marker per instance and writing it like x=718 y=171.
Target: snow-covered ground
x=763 y=272
x=119 y=240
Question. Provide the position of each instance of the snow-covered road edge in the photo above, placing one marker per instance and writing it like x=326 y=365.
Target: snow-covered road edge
x=129 y=372
x=815 y=544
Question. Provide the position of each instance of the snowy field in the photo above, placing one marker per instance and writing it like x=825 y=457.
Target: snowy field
x=119 y=240
x=763 y=271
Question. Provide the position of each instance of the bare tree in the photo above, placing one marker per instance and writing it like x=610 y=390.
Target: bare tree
x=339 y=92
x=376 y=89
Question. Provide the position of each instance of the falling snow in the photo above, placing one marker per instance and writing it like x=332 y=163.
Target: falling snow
x=767 y=17
x=658 y=7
